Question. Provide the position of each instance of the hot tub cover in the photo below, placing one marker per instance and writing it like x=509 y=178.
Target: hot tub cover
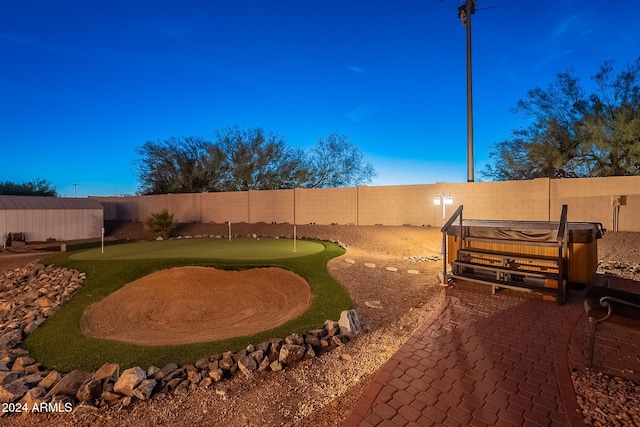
x=527 y=231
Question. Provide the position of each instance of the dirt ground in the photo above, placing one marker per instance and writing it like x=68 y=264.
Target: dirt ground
x=321 y=391
x=157 y=310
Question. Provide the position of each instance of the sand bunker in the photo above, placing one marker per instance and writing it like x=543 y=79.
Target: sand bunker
x=197 y=304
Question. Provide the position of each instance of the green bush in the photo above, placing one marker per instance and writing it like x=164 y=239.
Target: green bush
x=161 y=223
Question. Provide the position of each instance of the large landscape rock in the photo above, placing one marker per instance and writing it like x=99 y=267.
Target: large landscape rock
x=349 y=323
x=12 y=391
x=22 y=362
x=50 y=380
x=216 y=375
x=144 y=390
x=167 y=370
x=291 y=353
x=7 y=377
x=247 y=364
x=108 y=371
x=33 y=396
x=129 y=380
x=70 y=383
x=10 y=339
x=92 y=389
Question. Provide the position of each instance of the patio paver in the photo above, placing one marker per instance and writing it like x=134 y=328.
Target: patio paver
x=481 y=360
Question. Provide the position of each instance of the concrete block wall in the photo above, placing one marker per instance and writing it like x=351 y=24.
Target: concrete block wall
x=397 y=205
x=505 y=200
x=326 y=205
x=271 y=206
x=589 y=199
x=154 y=204
x=119 y=208
x=629 y=218
x=185 y=207
x=223 y=207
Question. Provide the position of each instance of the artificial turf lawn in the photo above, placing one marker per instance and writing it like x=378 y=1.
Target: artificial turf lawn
x=236 y=249
x=60 y=344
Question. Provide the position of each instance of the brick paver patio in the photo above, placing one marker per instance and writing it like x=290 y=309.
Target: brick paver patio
x=483 y=360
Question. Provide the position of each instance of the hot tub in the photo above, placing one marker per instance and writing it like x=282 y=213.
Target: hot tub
x=534 y=238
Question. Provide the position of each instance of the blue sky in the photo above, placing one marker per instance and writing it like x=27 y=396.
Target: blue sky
x=83 y=83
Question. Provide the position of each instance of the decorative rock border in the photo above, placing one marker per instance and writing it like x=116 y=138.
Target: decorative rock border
x=31 y=294
x=622 y=269
x=253 y=236
x=424 y=258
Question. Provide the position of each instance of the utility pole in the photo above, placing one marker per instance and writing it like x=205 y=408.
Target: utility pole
x=75 y=190
x=464 y=13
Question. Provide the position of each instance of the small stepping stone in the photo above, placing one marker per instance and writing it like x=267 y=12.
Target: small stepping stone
x=369 y=264
x=350 y=261
x=372 y=304
x=391 y=269
x=413 y=272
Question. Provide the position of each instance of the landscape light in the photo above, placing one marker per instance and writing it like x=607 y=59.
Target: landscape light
x=443 y=199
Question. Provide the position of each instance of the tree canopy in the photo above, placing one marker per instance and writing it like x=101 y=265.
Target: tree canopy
x=573 y=133
x=248 y=159
x=335 y=162
x=38 y=187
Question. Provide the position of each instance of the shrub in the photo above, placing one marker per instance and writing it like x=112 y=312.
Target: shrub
x=161 y=223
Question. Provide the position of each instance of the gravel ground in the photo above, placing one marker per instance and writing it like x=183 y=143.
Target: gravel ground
x=621 y=246
x=323 y=391
x=605 y=400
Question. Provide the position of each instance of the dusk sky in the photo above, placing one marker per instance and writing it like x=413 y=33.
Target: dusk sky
x=84 y=83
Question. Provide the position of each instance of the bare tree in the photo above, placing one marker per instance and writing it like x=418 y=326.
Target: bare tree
x=257 y=160
x=335 y=162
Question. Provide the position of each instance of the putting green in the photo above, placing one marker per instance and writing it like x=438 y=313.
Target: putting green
x=240 y=249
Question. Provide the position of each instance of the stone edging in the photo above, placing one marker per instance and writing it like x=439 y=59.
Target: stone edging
x=570 y=404
x=30 y=294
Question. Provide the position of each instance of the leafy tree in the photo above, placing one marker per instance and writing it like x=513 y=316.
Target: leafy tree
x=39 y=187
x=177 y=165
x=161 y=223
x=256 y=160
x=335 y=162
x=248 y=159
x=611 y=126
x=573 y=134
